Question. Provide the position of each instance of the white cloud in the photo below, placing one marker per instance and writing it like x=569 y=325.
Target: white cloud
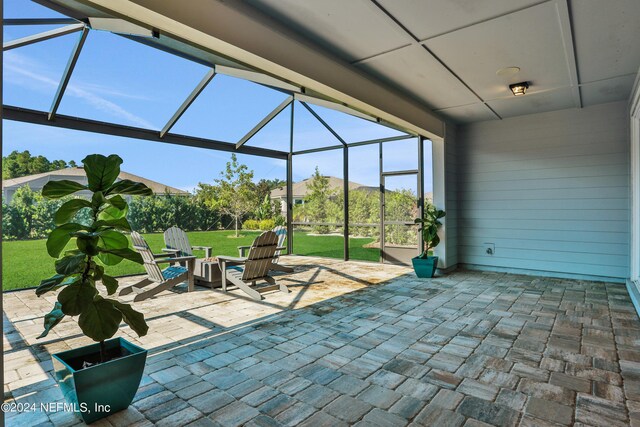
x=18 y=71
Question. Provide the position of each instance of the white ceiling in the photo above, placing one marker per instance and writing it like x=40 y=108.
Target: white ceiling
x=445 y=53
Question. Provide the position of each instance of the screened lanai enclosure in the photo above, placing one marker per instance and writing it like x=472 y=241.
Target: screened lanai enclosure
x=354 y=183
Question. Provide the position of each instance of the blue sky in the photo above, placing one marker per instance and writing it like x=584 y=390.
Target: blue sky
x=121 y=81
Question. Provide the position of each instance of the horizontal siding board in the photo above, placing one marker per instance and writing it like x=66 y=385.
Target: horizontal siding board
x=546 y=194
x=547 y=245
x=572 y=204
x=546 y=266
x=549 y=183
x=551 y=235
x=550 y=190
x=549 y=173
x=549 y=225
x=522 y=163
x=535 y=256
x=549 y=214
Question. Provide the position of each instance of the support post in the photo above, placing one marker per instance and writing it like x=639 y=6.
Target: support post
x=380 y=170
x=420 y=188
x=290 y=186
x=345 y=174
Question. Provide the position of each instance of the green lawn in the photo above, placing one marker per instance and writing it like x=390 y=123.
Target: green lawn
x=25 y=263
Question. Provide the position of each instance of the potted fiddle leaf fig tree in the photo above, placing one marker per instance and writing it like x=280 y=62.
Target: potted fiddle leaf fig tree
x=425 y=264
x=101 y=378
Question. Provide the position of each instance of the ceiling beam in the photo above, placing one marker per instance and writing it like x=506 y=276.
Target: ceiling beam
x=66 y=76
x=95 y=126
x=264 y=121
x=323 y=123
x=429 y=52
x=187 y=102
x=46 y=35
x=564 y=17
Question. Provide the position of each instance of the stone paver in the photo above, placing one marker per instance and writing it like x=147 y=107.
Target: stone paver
x=363 y=344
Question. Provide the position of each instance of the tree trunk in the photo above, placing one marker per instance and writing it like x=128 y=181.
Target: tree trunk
x=236 y=226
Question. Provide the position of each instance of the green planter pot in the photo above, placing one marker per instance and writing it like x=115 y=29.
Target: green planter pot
x=425 y=267
x=101 y=390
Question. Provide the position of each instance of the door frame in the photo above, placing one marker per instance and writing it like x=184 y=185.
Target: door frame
x=383 y=251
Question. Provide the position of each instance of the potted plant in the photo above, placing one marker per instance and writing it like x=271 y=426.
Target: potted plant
x=101 y=378
x=424 y=264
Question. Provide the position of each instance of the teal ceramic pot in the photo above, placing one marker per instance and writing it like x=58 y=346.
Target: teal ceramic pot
x=100 y=390
x=425 y=267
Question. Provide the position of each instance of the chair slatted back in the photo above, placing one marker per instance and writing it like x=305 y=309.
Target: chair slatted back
x=261 y=256
x=141 y=246
x=176 y=238
x=281 y=232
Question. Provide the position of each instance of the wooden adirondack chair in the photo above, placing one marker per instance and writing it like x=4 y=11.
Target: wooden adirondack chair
x=176 y=241
x=245 y=272
x=281 y=232
x=161 y=279
x=207 y=272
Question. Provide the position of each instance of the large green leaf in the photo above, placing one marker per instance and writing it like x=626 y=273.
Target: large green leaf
x=49 y=284
x=118 y=202
x=111 y=239
x=101 y=171
x=132 y=318
x=120 y=224
x=75 y=298
x=126 y=186
x=114 y=256
x=88 y=243
x=100 y=319
x=61 y=188
x=110 y=213
x=59 y=238
x=69 y=209
x=70 y=264
x=111 y=283
x=52 y=319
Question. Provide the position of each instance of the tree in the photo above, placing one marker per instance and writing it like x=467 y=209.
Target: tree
x=22 y=163
x=265 y=186
x=317 y=200
x=235 y=193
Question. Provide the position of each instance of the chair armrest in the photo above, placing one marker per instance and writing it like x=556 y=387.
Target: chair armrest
x=206 y=249
x=243 y=249
x=170 y=251
x=176 y=259
x=230 y=259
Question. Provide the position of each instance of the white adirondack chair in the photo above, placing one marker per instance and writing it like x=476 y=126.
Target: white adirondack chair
x=206 y=271
x=160 y=279
x=281 y=232
x=176 y=241
x=245 y=272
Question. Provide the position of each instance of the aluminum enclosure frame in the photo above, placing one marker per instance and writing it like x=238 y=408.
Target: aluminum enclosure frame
x=51 y=118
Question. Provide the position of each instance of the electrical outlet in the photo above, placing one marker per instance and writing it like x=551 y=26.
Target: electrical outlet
x=489 y=248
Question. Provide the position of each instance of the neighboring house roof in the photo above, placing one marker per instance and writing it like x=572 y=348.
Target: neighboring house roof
x=300 y=188
x=77 y=174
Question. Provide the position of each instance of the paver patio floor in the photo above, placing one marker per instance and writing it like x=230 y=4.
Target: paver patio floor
x=359 y=343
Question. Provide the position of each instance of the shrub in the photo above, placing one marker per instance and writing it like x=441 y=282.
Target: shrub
x=251 y=224
x=267 y=224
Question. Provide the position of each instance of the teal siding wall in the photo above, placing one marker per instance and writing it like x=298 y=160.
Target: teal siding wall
x=550 y=190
